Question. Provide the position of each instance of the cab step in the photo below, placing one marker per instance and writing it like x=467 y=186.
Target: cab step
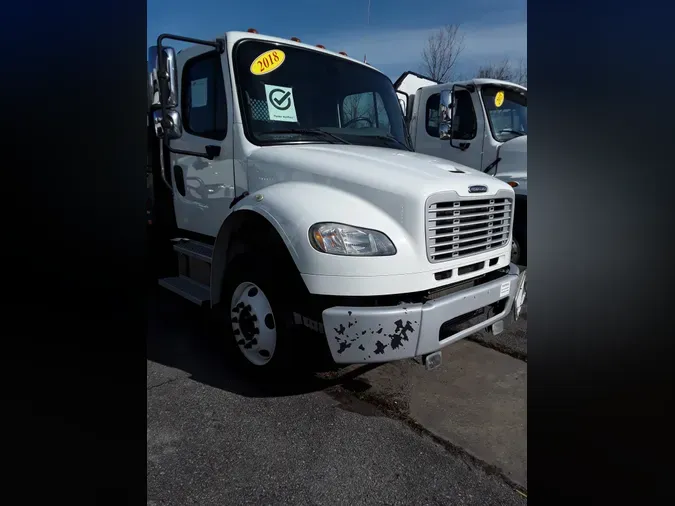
x=194 y=249
x=188 y=289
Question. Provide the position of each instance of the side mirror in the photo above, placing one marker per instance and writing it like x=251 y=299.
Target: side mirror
x=163 y=93
x=163 y=88
x=448 y=112
x=170 y=127
x=153 y=97
x=168 y=86
x=445 y=116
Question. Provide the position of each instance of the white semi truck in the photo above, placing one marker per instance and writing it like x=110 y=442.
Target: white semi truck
x=481 y=123
x=283 y=179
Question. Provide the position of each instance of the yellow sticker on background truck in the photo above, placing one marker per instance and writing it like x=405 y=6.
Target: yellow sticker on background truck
x=268 y=62
x=499 y=98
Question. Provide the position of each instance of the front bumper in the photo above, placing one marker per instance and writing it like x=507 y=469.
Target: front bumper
x=382 y=334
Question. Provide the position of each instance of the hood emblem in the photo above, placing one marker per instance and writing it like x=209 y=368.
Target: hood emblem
x=479 y=188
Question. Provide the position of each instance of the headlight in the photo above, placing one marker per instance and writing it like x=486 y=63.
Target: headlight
x=339 y=239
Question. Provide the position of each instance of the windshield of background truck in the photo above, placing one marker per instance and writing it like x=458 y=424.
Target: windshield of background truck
x=506 y=111
x=283 y=88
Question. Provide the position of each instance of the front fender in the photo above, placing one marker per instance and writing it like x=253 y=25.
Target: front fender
x=293 y=207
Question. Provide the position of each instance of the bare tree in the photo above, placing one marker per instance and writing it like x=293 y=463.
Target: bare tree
x=505 y=71
x=439 y=56
x=351 y=106
x=521 y=72
x=502 y=70
x=359 y=105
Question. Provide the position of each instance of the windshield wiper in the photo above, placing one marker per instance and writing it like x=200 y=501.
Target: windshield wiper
x=518 y=133
x=309 y=131
x=390 y=138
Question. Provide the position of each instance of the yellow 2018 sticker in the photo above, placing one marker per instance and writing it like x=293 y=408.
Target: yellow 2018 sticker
x=268 y=62
x=499 y=98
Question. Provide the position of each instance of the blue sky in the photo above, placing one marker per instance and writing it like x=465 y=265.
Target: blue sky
x=493 y=29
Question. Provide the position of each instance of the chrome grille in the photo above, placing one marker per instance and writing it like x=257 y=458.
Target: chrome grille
x=461 y=228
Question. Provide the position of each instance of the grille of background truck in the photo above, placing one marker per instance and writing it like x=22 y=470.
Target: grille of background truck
x=458 y=229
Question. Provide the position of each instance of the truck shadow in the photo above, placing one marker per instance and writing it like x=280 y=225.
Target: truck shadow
x=178 y=337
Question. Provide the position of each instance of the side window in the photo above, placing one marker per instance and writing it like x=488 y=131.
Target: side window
x=464 y=125
x=433 y=103
x=203 y=98
x=364 y=110
x=382 y=116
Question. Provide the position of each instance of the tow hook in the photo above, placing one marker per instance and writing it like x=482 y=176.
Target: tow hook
x=497 y=327
x=432 y=360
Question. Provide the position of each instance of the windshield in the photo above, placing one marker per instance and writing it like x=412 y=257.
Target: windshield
x=292 y=95
x=506 y=111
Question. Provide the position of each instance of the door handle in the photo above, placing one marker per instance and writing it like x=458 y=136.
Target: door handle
x=180 y=179
x=212 y=152
x=462 y=146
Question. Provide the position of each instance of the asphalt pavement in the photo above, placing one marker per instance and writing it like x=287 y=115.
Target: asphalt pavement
x=215 y=437
x=474 y=403
x=513 y=341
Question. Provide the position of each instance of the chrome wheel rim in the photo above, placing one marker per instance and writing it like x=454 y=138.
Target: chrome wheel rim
x=253 y=323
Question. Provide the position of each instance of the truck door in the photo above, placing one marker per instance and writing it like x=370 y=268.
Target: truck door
x=203 y=188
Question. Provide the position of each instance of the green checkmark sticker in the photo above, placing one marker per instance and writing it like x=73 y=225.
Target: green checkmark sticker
x=280 y=103
x=282 y=100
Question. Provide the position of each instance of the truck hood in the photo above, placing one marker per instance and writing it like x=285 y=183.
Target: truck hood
x=513 y=163
x=364 y=170
x=371 y=187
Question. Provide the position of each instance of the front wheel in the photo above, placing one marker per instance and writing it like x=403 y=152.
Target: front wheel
x=255 y=315
x=253 y=325
x=515 y=251
x=519 y=249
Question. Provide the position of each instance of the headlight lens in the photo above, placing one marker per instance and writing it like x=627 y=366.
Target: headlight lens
x=339 y=239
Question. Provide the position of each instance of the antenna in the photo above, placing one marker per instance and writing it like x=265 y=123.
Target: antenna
x=368 y=23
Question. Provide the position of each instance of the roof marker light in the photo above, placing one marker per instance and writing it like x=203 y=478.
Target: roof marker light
x=343 y=53
x=320 y=46
x=252 y=30
x=295 y=39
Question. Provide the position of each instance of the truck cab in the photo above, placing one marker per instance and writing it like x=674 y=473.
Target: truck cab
x=285 y=183
x=481 y=123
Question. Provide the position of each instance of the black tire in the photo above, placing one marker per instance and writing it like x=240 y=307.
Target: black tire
x=520 y=243
x=282 y=287
x=520 y=229
x=521 y=237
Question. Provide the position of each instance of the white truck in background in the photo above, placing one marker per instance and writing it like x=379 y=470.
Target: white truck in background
x=485 y=128
x=282 y=177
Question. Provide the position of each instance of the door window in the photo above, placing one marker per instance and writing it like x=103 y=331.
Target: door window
x=203 y=101
x=433 y=103
x=464 y=124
